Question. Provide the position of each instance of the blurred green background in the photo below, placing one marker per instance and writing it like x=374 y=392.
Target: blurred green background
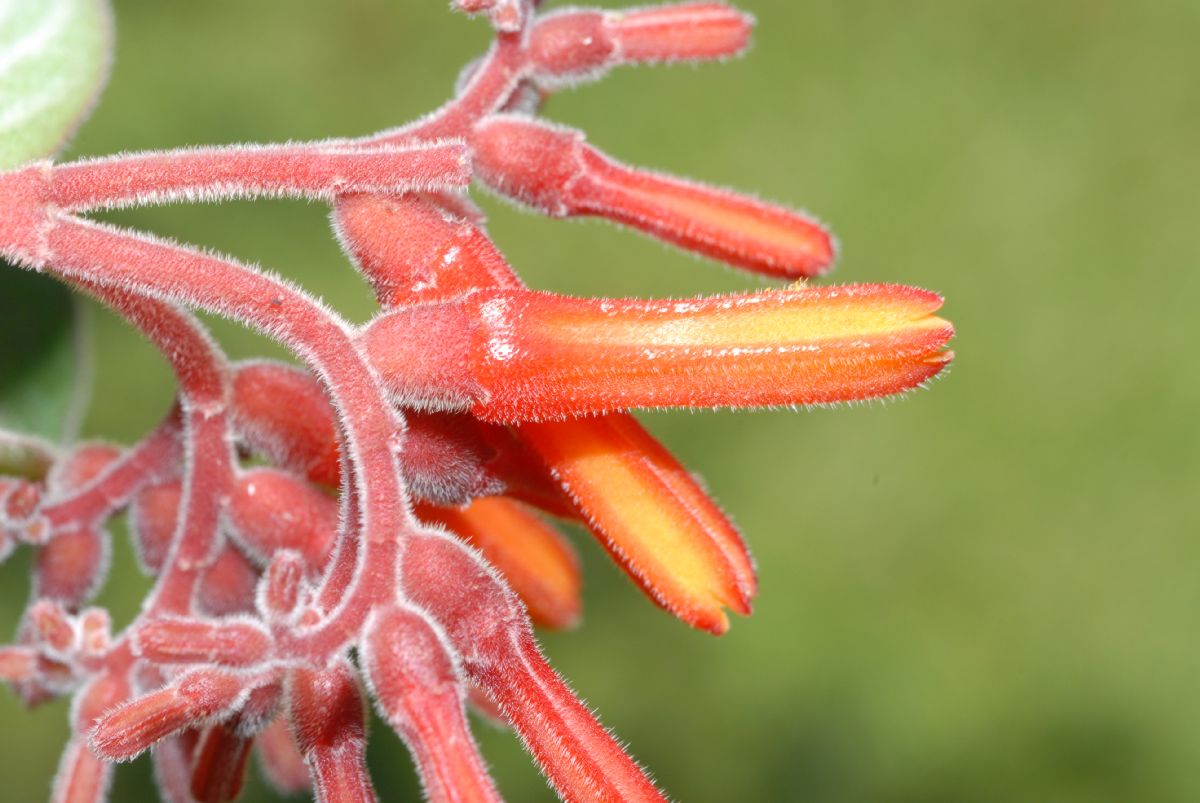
x=986 y=591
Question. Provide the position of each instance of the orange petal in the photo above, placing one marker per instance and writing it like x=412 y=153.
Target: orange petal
x=522 y=356
x=539 y=564
x=651 y=515
x=546 y=356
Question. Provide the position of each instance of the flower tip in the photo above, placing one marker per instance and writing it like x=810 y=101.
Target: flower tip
x=939 y=361
x=717 y=625
x=715 y=620
x=566 y=615
x=651 y=515
x=567 y=621
x=928 y=300
x=826 y=251
x=737 y=594
x=743 y=605
x=942 y=358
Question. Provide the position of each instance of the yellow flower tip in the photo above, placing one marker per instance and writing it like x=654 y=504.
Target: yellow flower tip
x=651 y=515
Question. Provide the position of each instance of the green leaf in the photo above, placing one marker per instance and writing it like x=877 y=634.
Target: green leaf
x=43 y=360
x=54 y=56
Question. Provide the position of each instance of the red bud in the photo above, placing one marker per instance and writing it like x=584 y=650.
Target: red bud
x=328 y=722
x=195 y=641
x=556 y=172
x=419 y=691
x=132 y=728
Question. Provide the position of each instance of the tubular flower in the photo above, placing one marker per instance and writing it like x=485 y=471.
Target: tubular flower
x=513 y=356
x=390 y=500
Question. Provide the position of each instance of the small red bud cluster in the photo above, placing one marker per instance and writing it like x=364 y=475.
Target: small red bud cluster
x=386 y=502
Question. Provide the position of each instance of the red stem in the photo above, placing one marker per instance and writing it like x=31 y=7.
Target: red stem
x=313 y=171
x=580 y=758
x=96 y=251
x=496 y=78
x=152 y=460
x=203 y=377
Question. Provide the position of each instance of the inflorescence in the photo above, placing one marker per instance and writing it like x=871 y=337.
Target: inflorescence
x=365 y=527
